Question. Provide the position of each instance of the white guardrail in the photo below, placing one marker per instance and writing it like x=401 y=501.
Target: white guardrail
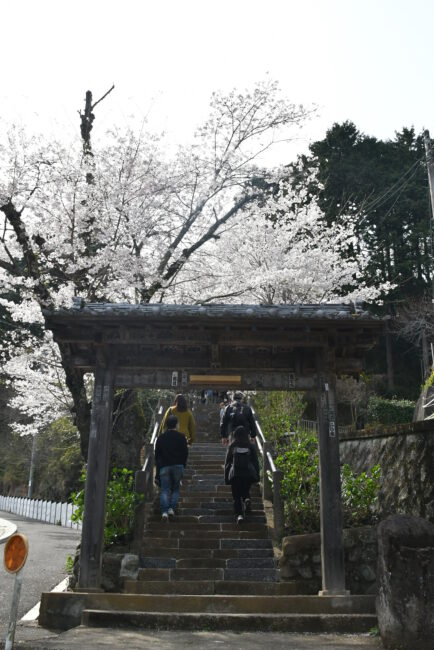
x=47 y=511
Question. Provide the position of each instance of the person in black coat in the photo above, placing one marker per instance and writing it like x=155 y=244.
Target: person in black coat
x=171 y=453
x=241 y=470
x=236 y=414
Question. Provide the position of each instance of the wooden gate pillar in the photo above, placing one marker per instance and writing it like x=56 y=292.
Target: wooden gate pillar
x=92 y=536
x=332 y=547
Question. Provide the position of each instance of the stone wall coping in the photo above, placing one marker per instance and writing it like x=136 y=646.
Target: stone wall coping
x=299 y=543
x=411 y=428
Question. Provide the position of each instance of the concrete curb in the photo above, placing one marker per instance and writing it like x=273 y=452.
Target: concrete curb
x=7 y=529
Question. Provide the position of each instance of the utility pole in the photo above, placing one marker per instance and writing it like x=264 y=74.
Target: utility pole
x=32 y=468
x=430 y=170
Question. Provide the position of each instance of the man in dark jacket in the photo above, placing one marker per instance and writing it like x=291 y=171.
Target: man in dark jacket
x=237 y=414
x=171 y=452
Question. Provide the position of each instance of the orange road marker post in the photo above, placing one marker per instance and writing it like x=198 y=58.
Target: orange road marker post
x=15 y=556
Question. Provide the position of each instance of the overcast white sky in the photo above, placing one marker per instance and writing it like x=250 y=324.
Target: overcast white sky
x=369 y=61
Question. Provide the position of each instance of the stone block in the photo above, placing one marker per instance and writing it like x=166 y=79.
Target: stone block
x=405 y=602
x=111 y=575
x=257 y=575
x=287 y=572
x=254 y=563
x=246 y=543
x=305 y=572
x=157 y=563
x=301 y=543
x=367 y=573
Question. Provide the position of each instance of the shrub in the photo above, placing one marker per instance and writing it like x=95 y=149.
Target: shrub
x=300 y=483
x=301 y=488
x=359 y=493
x=429 y=382
x=389 y=411
x=279 y=411
x=121 y=502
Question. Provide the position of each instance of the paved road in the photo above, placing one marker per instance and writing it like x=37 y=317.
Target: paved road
x=81 y=638
x=49 y=546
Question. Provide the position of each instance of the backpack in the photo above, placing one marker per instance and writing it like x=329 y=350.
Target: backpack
x=242 y=460
x=237 y=416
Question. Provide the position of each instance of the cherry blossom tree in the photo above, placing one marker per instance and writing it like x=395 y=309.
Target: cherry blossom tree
x=123 y=221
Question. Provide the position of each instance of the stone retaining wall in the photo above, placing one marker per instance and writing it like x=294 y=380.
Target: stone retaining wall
x=405 y=454
x=301 y=561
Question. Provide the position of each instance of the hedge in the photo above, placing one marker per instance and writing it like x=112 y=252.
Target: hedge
x=389 y=411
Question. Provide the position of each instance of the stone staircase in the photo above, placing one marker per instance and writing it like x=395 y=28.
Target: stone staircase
x=203 y=571
x=203 y=544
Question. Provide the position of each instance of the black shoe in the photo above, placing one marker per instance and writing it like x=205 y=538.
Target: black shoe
x=247 y=506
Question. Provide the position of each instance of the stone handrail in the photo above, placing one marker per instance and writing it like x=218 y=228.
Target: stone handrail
x=144 y=482
x=271 y=478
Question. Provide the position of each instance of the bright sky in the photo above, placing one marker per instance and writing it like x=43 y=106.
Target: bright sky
x=369 y=61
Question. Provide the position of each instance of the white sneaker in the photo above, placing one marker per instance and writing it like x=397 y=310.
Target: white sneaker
x=240 y=519
x=171 y=512
x=164 y=516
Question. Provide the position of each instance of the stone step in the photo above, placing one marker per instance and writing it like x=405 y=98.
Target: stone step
x=213 y=494
x=211 y=543
x=198 y=463
x=211 y=476
x=64 y=609
x=209 y=573
x=245 y=587
x=214 y=501
x=240 y=604
x=227 y=553
x=201 y=563
x=217 y=519
x=193 y=528
x=241 y=533
x=252 y=573
x=341 y=623
x=182 y=574
x=186 y=511
x=163 y=562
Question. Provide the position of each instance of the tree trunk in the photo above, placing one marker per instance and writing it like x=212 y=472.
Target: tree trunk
x=389 y=361
x=425 y=356
x=129 y=430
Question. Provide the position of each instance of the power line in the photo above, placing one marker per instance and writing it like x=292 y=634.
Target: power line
x=389 y=193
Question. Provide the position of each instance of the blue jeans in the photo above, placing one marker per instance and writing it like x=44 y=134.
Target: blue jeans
x=170 y=478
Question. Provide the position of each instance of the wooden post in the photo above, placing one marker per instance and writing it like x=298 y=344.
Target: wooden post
x=92 y=537
x=332 y=548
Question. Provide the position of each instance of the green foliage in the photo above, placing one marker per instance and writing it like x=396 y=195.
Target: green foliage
x=359 y=493
x=300 y=484
x=121 y=502
x=58 y=462
x=279 y=411
x=301 y=489
x=389 y=411
x=429 y=382
x=69 y=564
x=385 y=185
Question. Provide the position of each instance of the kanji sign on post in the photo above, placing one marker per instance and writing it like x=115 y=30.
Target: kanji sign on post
x=16 y=551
